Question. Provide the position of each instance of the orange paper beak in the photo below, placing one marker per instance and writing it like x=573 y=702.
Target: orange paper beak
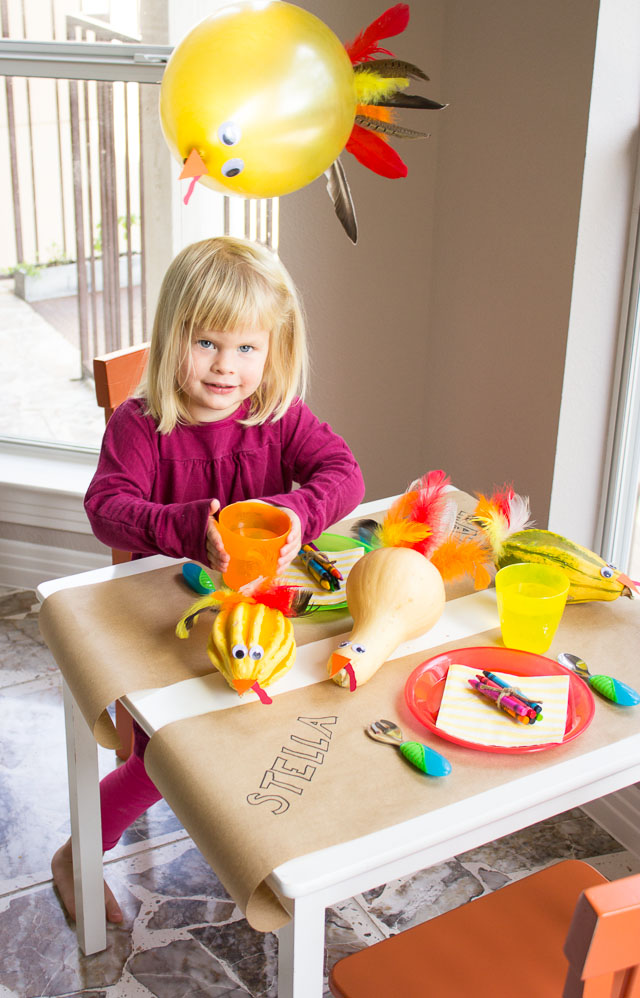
x=338 y=662
x=629 y=583
x=194 y=166
x=242 y=685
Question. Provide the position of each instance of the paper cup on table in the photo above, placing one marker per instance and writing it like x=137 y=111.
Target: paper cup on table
x=252 y=534
x=531 y=600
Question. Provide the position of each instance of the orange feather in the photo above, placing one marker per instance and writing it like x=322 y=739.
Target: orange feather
x=455 y=558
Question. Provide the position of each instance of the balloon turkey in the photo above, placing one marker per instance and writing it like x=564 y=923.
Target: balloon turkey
x=260 y=99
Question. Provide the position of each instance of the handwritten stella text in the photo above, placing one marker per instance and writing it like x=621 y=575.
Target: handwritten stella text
x=296 y=766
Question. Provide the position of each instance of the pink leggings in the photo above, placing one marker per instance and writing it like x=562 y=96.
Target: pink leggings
x=125 y=794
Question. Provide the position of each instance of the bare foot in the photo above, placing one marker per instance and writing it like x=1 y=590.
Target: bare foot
x=62 y=870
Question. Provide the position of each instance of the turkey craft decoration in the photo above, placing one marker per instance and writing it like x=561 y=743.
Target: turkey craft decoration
x=396 y=590
x=505 y=520
x=260 y=99
x=251 y=642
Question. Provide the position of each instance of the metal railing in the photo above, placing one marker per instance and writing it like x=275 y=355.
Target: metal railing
x=94 y=169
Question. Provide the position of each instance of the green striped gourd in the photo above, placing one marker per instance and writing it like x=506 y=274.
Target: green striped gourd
x=590 y=577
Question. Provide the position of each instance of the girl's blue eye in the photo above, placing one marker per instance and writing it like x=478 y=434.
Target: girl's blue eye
x=205 y=343
x=245 y=348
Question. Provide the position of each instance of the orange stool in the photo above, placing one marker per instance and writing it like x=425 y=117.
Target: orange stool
x=117 y=375
x=564 y=927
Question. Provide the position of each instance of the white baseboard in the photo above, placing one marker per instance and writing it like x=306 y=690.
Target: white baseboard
x=619 y=814
x=26 y=565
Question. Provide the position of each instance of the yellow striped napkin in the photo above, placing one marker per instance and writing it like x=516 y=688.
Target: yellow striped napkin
x=467 y=715
x=296 y=575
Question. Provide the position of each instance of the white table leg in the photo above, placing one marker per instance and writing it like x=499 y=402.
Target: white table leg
x=301 y=951
x=86 y=835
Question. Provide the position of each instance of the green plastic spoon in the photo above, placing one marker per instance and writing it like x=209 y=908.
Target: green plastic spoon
x=613 y=689
x=426 y=759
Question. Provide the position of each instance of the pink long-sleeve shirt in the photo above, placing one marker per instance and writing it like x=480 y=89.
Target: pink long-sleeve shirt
x=151 y=492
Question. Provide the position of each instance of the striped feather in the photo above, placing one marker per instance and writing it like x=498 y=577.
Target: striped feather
x=412 y=100
x=392 y=67
x=389 y=128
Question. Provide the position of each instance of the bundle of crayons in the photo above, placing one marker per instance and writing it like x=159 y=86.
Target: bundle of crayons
x=320 y=568
x=507 y=698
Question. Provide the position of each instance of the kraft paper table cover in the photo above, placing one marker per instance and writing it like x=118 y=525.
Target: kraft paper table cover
x=114 y=637
x=263 y=785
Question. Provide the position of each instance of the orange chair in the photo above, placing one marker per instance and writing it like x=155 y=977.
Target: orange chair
x=564 y=927
x=116 y=378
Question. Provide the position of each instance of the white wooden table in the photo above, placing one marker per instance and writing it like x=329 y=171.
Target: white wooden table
x=310 y=883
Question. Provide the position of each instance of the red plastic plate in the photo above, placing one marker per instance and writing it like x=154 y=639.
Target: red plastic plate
x=425 y=687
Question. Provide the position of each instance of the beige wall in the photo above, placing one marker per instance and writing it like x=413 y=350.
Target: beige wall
x=439 y=340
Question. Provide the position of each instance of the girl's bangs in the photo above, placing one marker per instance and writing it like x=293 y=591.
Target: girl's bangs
x=247 y=305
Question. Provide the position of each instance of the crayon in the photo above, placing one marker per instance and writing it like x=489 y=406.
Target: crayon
x=500 y=682
x=532 y=709
x=507 y=702
x=523 y=719
x=317 y=572
x=322 y=559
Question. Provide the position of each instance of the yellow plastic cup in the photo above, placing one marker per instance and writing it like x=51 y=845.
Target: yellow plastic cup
x=252 y=534
x=531 y=601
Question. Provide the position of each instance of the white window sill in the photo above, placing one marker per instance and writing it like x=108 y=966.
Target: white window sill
x=65 y=471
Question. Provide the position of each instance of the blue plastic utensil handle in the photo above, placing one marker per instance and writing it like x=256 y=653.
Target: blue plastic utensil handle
x=426 y=759
x=197 y=579
x=615 y=690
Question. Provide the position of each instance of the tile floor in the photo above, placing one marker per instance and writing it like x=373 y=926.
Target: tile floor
x=182 y=935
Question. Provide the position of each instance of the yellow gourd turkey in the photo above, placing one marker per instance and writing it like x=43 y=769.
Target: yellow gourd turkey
x=251 y=642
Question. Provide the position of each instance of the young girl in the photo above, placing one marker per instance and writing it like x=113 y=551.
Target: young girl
x=217 y=419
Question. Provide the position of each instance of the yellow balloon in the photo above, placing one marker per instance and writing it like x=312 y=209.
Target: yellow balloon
x=264 y=92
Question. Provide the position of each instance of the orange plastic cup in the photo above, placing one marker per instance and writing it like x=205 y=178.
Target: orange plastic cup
x=252 y=534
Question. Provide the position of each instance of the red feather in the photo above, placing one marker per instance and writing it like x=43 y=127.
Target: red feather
x=373 y=152
x=503 y=499
x=292 y=601
x=392 y=22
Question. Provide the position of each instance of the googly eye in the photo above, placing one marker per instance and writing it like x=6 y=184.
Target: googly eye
x=607 y=571
x=239 y=651
x=256 y=652
x=229 y=133
x=232 y=167
x=343 y=644
x=360 y=649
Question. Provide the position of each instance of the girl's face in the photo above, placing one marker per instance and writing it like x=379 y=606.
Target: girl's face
x=221 y=371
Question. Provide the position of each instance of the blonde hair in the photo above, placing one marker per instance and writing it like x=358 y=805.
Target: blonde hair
x=224 y=285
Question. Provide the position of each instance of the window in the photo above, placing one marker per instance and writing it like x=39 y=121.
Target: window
x=92 y=220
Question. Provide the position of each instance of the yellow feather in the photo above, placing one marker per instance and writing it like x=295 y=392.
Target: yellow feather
x=371 y=88
x=493 y=521
x=403 y=533
x=204 y=603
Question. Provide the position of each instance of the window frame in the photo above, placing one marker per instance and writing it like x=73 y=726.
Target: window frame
x=105 y=61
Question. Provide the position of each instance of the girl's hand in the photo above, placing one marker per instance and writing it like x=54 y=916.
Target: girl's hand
x=216 y=554
x=293 y=543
